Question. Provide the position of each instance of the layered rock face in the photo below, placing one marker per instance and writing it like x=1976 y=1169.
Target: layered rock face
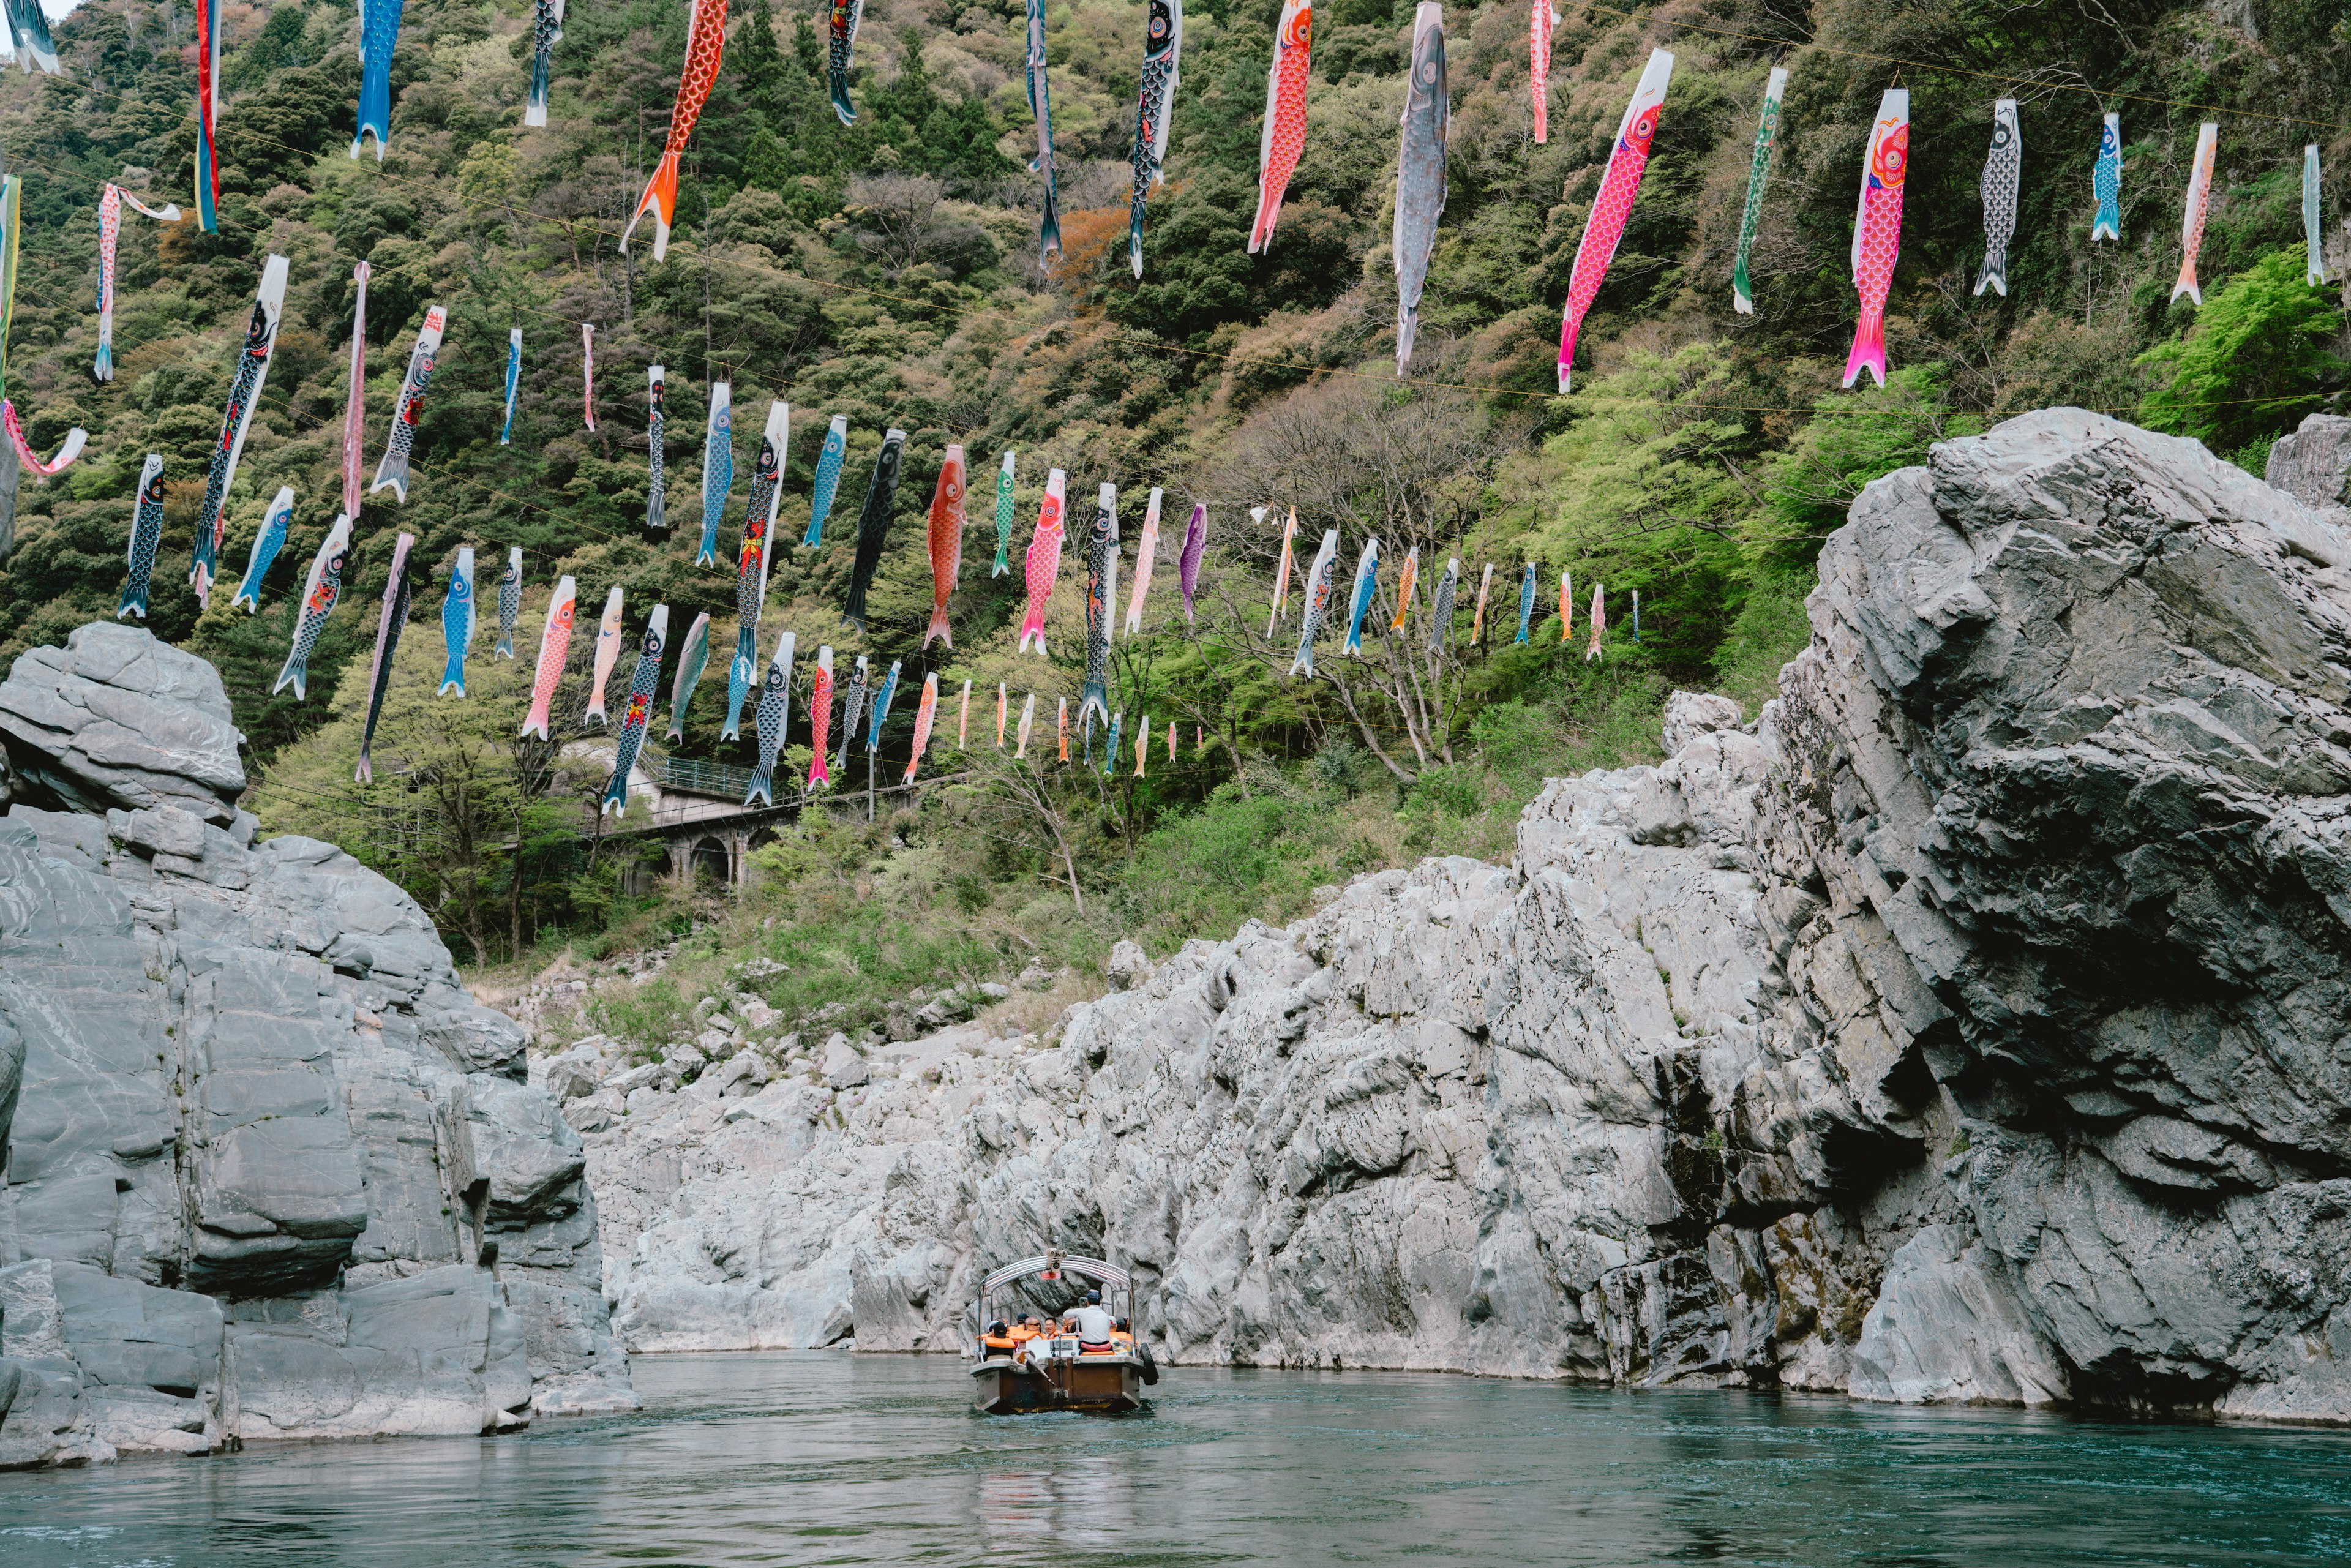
x=271 y=1172
x=1968 y=1027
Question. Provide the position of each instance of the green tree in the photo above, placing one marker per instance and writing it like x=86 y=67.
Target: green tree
x=2260 y=355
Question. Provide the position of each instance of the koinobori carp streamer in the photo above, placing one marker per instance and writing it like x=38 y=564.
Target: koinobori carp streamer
x=607 y=654
x=1044 y=562
x=717 y=469
x=392 y=470
x=244 y=395
x=752 y=560
x=1163 y=44
x=1877 y=232
x=705 y=41
x=1767 y=131
x=319 y=591
x=509 y=604
x=694 y=657
x=1283 y=138
x=111 y=203
x=873 y=524
x=146 y=538
x=554 y=651
x=457 y=619
x=2192 y=216
x=378 y=38
x=389 y=624
x=355 y=396
x=1040 y=104
x=274 y=524
x=1628 y=158
x=2003 y=166
x=1420 y=170
x=830 y=459
x=638 y=714
x=771 y=718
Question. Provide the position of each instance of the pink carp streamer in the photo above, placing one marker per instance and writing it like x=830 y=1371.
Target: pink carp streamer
x=355 y=404
x=1614 y=205
x=111 y=203
x=2192 y=219
x=1877 y=232
x=587 y=370
x=1540 y=23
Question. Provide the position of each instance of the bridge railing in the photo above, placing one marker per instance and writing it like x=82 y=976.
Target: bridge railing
x=693 y=776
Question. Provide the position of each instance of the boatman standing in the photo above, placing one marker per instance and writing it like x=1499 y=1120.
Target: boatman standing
x=1094 y=1326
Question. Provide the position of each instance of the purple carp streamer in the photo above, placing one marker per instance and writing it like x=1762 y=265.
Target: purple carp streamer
x=637 y=714
x=389 y=625
x=391 y=471
x=1196 y=550
x=111 y=203
x=1163 y=43
x=146 y=537
x=1420 y=172
x=319 y=591
x=244 y=395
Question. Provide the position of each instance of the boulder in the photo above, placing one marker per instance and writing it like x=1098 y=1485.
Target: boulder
x=1689 y=715
x=2314 y=464
x=1128 y=965
x=253 y=1103
x=117 y=718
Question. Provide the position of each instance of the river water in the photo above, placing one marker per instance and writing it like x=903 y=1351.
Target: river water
x=822 y=1458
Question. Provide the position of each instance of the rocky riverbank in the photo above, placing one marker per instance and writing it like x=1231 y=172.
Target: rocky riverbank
x=1964 y=1029
x=271 y=1172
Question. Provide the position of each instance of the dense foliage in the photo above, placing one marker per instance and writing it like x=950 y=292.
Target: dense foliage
x=889 y=271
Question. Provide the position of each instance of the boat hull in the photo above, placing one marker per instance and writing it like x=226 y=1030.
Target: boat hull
x=1098 y=1385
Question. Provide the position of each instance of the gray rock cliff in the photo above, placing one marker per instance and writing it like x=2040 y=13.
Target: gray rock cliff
x=271 y=1172
x=1968 y=1027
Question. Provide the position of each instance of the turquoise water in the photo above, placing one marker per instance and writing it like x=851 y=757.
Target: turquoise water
x=825 y=1457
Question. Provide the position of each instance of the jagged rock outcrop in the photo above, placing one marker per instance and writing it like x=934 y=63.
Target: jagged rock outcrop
x=271 y=1173
x=1967 y=1028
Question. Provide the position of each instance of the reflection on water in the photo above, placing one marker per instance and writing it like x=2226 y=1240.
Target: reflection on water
x=822 y=1458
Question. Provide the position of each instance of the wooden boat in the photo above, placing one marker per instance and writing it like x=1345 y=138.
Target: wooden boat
x=1054 y=1373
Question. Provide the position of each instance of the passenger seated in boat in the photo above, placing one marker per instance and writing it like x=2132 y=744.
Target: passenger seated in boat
x=1023 y=1332
x=1122 y=1335
x=1094 y=1326
x=998 y=1341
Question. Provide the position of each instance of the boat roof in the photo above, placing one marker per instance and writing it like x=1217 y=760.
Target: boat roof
x=1093 y=1268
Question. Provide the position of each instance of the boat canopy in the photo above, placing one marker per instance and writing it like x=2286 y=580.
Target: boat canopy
x=1093 y=1268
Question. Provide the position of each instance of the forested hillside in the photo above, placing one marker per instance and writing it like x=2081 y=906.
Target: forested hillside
x=890 y=272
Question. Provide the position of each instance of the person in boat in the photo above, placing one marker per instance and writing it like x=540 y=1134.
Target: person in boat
x=997 y=1342
x=1094 y=1326
x=1122 y=1335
